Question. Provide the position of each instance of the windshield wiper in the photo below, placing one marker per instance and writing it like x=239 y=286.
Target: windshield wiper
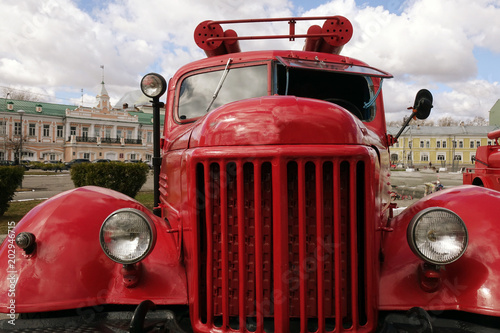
x=221 y=82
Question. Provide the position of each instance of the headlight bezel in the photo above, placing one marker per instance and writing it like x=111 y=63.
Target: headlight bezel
x=414 y=224
x=153 y=85
x=150 y=228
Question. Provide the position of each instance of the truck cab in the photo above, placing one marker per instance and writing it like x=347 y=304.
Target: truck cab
x=272 y=212
x=486 y=171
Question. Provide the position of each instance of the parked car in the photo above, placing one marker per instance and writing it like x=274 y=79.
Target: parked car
x=76 y=161
x=26 y=164
x=6 y=162
x=102 y=160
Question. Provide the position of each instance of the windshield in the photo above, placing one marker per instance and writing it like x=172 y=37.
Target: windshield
x=197 y=91
x=328 y=82
x=348 y=86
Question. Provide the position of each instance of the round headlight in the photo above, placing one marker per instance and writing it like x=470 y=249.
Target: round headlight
x=153 y=85
x=127 y=236
x=437 y=235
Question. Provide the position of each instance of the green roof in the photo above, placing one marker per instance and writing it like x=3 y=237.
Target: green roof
x=48 y=109
x=58 y=110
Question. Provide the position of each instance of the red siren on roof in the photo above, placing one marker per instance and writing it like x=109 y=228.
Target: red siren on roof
x=329 y=38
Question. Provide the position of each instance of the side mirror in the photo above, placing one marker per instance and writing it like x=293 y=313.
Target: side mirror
x=423 y=104
x=421 y=110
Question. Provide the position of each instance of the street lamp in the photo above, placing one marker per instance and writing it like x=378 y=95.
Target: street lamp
x=154 y=86
x=21 y=113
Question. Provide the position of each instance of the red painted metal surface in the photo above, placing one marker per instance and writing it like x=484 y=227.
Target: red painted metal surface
x=471 y=283
x=278 y=120
x=70 y=270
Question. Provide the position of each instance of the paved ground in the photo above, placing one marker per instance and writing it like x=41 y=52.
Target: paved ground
x=413 y=183
x=45 y=186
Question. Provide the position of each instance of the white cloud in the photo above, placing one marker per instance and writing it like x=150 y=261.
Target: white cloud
x=430 y=44
x=56 y=47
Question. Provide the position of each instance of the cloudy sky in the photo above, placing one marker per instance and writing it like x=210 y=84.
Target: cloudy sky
x=56 y=47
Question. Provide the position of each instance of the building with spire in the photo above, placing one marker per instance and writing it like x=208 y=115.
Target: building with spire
x=53 y=132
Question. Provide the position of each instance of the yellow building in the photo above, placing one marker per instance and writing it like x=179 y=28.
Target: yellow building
x=451 y=147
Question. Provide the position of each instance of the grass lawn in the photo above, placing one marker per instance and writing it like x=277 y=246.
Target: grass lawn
x=18 y=209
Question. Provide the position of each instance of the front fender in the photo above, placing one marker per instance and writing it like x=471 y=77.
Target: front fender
x=472 y=283
x=69 y=269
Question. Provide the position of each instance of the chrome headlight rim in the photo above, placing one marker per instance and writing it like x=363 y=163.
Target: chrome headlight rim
x=411 y=236
x=153 y=85
x=152 y=236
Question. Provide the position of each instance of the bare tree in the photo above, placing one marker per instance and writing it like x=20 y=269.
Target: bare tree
x=477 y=121
x=447 y=122
x=14 y=144
x=20 y=95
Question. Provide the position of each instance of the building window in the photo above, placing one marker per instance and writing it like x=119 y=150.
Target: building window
x=471 y=144
x=438 y=144
x=17 y=128
x=421 y=144
x=97 y=131
x=118 y=134
x=85 y=133
x=129 y=134
x=460 y=144
x=149 y=157
x=427 y=144
x=489 y=142
x=32 y=129
x=478 y=144
x=3 y=125
x=73 y=130
x=86 y=155
x=454 y=144
x=46 y=130
x=108 y=133
x=441 y=157
x=121 y=155
x=132 y=156
x=472 y=157
x=457 y=157
x=59 y=131
x=424 y=157
x=444 y=143
x=409 y=144
x=149 y=137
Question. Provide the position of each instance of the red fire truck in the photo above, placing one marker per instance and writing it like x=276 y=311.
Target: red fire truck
x=487 y=165
x=273 y=213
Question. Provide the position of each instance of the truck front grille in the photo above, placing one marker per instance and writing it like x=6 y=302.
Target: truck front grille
x=282 y=244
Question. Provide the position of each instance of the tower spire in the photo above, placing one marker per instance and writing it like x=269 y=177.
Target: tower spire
x=102 y=67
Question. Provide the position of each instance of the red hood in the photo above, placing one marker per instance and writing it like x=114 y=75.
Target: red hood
x=278 y=120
